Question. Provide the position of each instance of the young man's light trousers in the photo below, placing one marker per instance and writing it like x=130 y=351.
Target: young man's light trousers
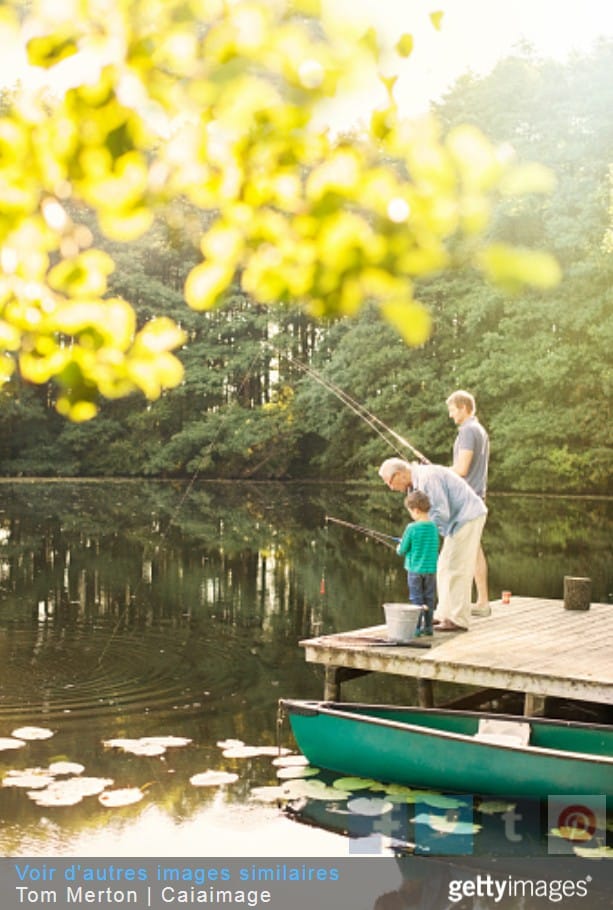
x=455 y=571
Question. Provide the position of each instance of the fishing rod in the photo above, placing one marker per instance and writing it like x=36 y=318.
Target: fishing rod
x=374 y=422
x=386 y=539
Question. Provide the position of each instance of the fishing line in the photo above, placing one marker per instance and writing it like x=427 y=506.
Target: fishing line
x=388 y=540
x=322 y=583
x=374 y=422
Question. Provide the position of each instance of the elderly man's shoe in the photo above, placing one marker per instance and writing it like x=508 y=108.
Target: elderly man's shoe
x=448 y=626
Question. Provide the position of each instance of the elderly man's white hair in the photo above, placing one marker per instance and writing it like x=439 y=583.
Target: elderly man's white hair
x=391 y=466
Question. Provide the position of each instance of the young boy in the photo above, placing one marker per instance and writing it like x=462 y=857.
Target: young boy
x=419 y=546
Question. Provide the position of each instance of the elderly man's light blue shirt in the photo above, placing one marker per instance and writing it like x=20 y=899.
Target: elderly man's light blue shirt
x=452 y=502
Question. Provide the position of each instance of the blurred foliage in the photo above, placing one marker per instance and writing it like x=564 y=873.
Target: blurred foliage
x=538 y=363
x=215 y=103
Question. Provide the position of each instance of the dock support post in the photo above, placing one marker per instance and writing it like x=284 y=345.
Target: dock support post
x=534 y=705
x=425 y=693
x=334 y=676
x=332 y=684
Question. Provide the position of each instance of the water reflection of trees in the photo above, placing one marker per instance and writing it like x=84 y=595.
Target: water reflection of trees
x=147 y=553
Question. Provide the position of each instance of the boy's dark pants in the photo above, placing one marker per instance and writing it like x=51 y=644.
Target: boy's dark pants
x=422 y=591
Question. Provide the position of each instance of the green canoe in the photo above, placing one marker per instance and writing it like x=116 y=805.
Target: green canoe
x=469 y=752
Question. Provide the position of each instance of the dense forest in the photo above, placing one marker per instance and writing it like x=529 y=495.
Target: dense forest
x=539 y=363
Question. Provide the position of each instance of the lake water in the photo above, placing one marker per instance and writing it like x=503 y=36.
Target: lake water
x=143 y=609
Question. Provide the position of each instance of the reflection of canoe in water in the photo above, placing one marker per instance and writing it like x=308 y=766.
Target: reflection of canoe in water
x=468 y=752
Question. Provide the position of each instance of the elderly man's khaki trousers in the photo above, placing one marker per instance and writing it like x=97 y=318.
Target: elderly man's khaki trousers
x=455 y=571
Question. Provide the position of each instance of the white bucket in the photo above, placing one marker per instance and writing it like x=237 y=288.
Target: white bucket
x=401 y=621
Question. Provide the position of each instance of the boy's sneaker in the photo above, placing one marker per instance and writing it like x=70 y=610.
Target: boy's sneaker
x=481 y=610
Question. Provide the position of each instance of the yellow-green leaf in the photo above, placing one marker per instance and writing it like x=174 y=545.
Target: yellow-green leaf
x=153 y=375
x=125 y=225
x=47 y=50
x=475 y=156
x=206 y=283
x=112 y=321
x=389 y=82
x=10 y=337
x=370 y=41
x=339 y=174
x=513 y=267
x=85 y=274
x=405 y=45
x=79 y=411
x=437 y=19
x=7 y=368
x=161 y=334
x=528 y=178
x=410 y=319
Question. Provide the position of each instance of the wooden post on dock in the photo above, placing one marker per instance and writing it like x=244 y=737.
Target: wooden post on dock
x=577 y=593
x=334 y=676
x=332 y=684
x=425 y=693
x=534 y=705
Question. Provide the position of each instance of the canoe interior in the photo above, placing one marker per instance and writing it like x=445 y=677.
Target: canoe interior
x=567 y=736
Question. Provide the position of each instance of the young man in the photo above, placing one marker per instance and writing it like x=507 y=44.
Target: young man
x=459 y=515
x=471 y=455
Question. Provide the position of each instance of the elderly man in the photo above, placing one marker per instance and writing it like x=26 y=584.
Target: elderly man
x=459 y=515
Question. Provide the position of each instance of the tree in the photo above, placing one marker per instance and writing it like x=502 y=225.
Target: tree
x=539 y=364
x=213 y=103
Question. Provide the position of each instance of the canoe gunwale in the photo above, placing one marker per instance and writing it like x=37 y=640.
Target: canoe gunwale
x=334 y=709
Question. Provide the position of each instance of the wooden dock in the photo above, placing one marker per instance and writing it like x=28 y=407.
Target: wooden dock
x=531 y=646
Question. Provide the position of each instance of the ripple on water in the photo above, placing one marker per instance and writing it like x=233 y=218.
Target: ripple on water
x=91 y=671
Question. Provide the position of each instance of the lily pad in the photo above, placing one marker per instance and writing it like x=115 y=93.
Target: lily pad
x=125 y=796
x=445 y=825
x=65 y=767
x=355 y=783
x=168 y=742
x=230 y=743
x=268 y=794
x=571 y=834
x=29 y=778
x=135 y=746
x=241 y=752
x=9 y=742
x=438 y=801
x=493 y=807
x=297 y=772
x=52 y=797
x=69 y=792
x=88 y=786
x=244 y=751
x=369 y=805
x=399 y=794
x=602 y=852
x=31 y=733
x=290 y=761
x=312 y=789
x=212 y=778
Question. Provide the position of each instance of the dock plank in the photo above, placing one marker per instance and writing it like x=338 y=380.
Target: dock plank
x=532 y=645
